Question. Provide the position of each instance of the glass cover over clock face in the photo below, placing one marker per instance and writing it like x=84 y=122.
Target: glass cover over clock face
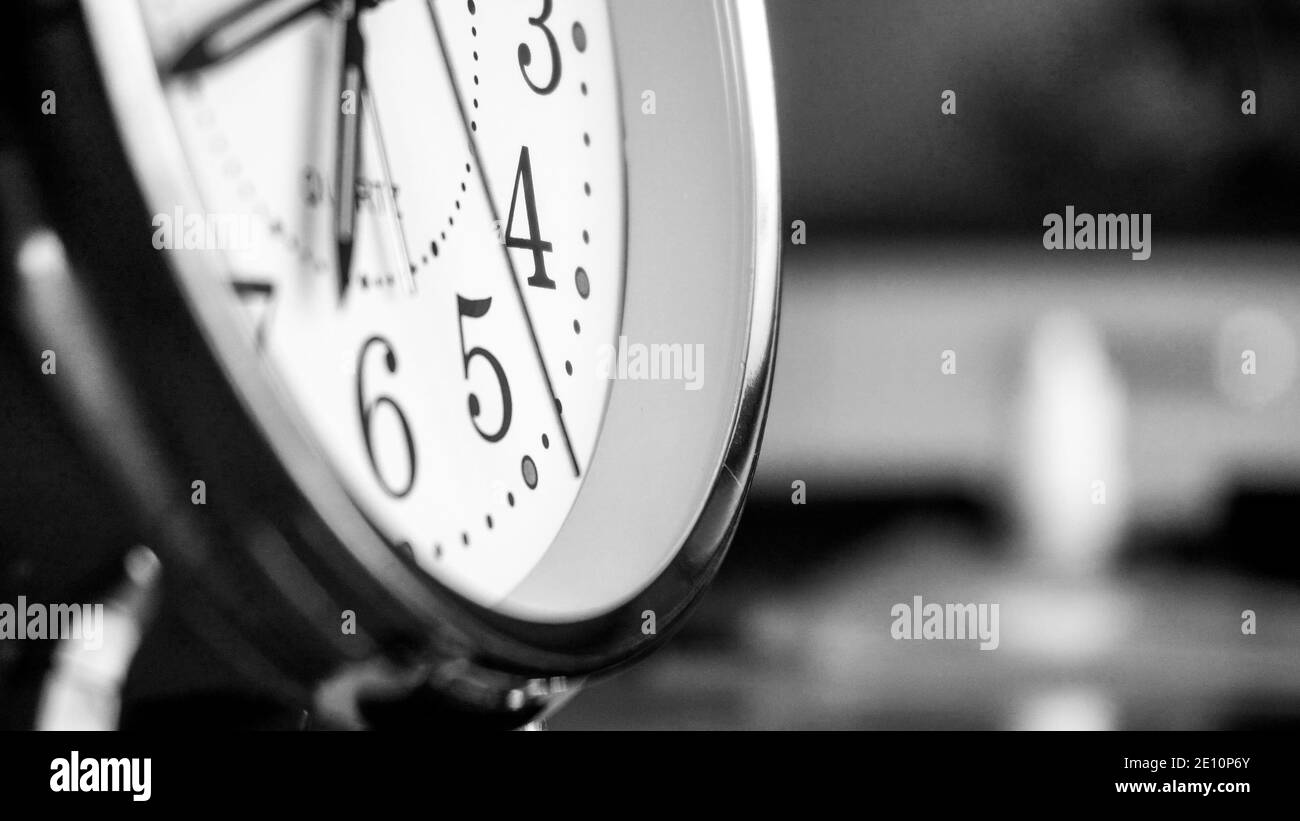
x=436 y=331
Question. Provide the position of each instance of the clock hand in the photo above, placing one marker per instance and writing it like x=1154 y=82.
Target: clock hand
x=408 y=270
x=514 y=275
x=347 y=148
x=236 y=31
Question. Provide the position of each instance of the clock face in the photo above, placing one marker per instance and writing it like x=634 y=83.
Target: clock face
x=428 y=204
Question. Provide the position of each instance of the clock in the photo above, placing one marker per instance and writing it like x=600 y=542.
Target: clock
x=429 y=340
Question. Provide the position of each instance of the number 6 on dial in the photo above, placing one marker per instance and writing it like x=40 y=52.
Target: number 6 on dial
x=366 y=411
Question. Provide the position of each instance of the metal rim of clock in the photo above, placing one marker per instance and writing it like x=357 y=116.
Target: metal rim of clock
x=398 y=593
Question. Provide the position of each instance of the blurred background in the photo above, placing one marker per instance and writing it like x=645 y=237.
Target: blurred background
x=973 y=419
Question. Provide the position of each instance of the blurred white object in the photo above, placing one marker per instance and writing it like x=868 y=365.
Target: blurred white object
x=1067 y=709
x=1070 y=477
x=83 y=688
x=861 y=406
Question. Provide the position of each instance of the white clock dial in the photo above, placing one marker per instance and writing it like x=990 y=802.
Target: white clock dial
x=441 y=355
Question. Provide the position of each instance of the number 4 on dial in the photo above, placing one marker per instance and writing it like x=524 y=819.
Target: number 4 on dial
x=534 y=242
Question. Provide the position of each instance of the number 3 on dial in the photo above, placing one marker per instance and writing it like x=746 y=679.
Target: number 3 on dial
x=526 y=54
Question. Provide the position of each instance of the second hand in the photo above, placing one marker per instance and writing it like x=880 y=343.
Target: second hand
x=368 y=104
x=514 y=275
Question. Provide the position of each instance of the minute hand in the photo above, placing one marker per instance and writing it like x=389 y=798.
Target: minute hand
x=235 y=32
x=514 y=275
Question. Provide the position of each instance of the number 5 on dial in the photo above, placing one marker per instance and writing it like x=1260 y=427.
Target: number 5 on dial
x=474 y=309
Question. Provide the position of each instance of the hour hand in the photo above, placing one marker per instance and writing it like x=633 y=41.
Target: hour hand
x=235 y=32
x=348 y=145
